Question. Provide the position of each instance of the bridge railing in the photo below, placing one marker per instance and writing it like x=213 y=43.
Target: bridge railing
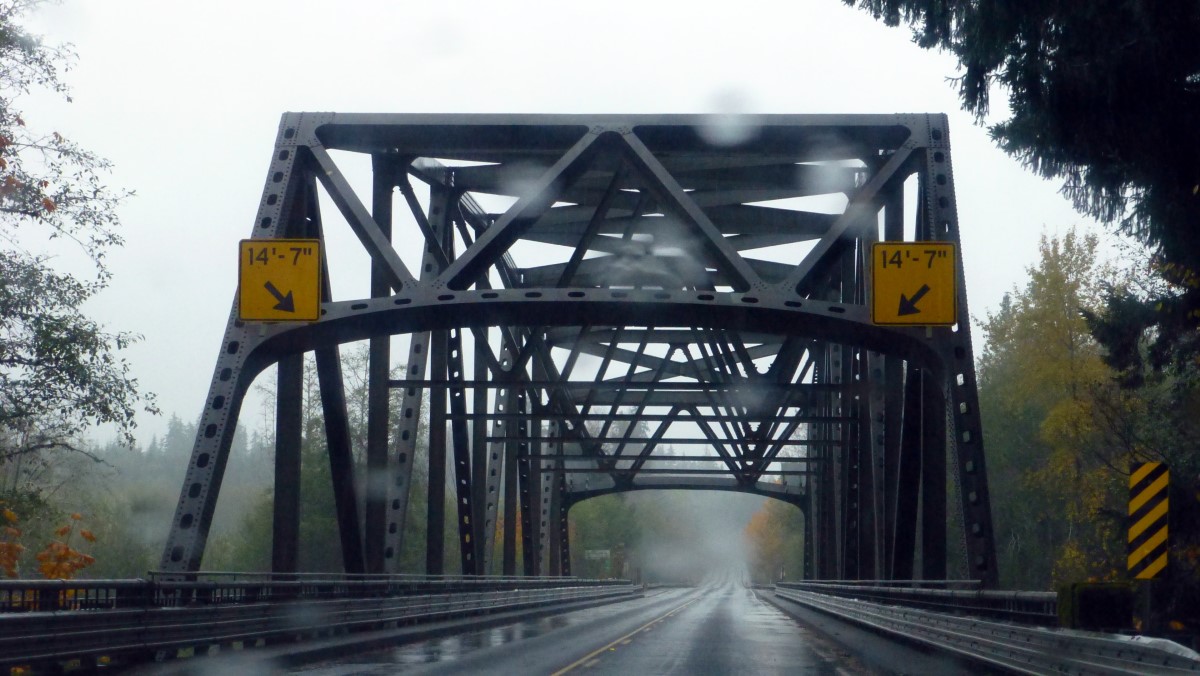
x=128 y=621
x=1009 y=630
x=947 y=596
x=161 y=590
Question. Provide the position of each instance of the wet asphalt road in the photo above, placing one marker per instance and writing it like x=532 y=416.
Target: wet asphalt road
x=718 y=628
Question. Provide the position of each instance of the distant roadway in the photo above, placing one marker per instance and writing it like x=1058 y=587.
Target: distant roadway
x=720 y=627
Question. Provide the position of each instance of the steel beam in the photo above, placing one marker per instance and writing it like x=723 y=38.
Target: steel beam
x=285 y=519
x=378 y=373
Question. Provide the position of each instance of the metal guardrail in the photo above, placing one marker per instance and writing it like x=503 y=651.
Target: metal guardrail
x=162 y=591
x=1035 y=608
x=1022 y=649
x=122 y=619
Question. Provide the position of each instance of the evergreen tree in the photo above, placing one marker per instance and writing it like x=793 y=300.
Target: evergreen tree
x=1105 y=96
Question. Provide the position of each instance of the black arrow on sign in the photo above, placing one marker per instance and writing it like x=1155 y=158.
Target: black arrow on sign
x=908 y=306
x=285 y=303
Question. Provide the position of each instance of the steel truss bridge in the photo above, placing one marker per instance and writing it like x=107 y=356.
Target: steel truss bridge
x=607 y=303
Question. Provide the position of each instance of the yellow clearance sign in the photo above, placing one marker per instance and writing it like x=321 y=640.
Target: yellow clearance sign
x=279 y=280
x=913 y=283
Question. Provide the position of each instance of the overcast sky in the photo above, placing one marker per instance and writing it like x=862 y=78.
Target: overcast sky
x=185 y=99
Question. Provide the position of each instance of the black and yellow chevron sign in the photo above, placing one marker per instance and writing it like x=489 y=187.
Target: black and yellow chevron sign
x=1148 y=520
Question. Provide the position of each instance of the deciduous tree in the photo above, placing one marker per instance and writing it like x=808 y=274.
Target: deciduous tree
x=60 y=371
x=1050 y=462
x=774 y=537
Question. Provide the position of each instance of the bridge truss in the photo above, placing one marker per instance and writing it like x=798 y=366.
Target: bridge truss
x=597 y=304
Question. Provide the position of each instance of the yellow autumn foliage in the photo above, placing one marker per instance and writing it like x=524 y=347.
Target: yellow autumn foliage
x=58 y=560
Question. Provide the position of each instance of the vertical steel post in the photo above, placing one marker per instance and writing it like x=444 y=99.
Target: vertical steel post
x=378 y=392
x=564 y=527
x=852 y=471
x=904 y=540
x=844 y=515
x=893 y=396
x=826 y=531
x=810 y=572
x=400 y=465
x=468 y=531
x=285 y=524
x=435 y=560
x=529 y=474
x=483 y=500
x=552 y=505
x=514 y=449
x=933 y=481
x=893 y=416
x=869 y=544
x=959 y=363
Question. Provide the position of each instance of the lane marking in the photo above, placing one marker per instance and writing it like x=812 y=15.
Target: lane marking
x=626 y=638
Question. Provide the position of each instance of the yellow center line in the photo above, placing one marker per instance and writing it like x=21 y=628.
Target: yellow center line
x=624 y=638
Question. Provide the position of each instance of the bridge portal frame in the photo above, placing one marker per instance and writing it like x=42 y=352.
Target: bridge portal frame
x=882 y=407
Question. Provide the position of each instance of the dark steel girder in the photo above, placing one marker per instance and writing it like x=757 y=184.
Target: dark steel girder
x=787 y=493
x=349 y=321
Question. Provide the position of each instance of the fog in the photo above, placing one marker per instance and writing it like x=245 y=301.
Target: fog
x=674 y=536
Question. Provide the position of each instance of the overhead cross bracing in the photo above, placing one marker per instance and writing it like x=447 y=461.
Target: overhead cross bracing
x=596 y=304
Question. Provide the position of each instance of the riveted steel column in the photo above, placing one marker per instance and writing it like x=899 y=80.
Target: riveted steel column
x=810 y=572
x=893 y=398
x=529 y=514
x=530 y=474
x=468 y=532
x=564 y=527
x=958 y=360
x=483 y=495
x=436 y=509
x=408 y=427
x=826 y=529
x=933 y=481
x=232 y=374
x=378 y=392
x=285 y=521
x=516 y=446
x=874 y=405
x=853 y=470
x=553 y=504
x=435 y=560
x=908 y=477
x=845 y=489
x=864 y=448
